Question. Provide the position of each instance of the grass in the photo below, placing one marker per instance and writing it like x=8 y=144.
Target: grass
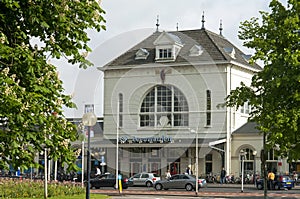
x=82 y=196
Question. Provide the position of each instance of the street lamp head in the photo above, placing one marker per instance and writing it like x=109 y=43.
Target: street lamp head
x=254 y=153
x=89 y=119
x=192 y=130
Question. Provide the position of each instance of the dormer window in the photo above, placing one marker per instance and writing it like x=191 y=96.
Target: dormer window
x=247 y=57
x=230 y=51
x=141 y=54
x=167 y=47
x=196 y=50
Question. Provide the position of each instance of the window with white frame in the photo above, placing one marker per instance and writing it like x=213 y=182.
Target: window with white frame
x=165 y=53
x=120 y=110
x=248 y=159
x=246 y=108
x=271 y=155
x=164 y=106
x=208 y=107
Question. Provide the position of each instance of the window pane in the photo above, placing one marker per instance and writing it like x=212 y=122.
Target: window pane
x=208 y=157
x=181 y=119
x=208 y=118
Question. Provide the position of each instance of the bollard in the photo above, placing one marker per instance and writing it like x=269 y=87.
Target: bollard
x=120 y=183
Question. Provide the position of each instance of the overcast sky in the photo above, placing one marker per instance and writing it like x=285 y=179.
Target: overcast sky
x=130 y=21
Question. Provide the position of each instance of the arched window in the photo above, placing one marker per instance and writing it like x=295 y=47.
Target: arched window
x=164 y=106
x=248 y=158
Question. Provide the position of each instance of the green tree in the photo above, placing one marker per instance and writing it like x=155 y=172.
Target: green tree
x=274 y=93
x=32 y=95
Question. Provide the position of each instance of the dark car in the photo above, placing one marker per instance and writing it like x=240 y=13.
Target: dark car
x=280 y=181
x=109 y=180
x=178 y=181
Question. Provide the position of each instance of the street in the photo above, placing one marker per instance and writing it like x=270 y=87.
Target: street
x=211 y=191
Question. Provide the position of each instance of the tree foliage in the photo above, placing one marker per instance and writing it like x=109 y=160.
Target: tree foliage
x=274 y=93
x=32 y=96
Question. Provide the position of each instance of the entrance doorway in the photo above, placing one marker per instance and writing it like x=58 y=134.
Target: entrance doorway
x=174 y=168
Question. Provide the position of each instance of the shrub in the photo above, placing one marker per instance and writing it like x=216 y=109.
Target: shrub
x=16 y=188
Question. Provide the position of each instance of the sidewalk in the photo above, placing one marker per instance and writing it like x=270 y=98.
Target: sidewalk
x=245 y=186
x=225 y=190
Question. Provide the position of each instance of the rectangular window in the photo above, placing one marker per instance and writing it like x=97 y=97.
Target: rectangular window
x=208 y=108
x=271 y=155
x=165 y=53
x=246 y=108
x=208 y=163
x=120 y=109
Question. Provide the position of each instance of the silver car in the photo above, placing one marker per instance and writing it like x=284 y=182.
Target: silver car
x=178 y=181
x=144 y=179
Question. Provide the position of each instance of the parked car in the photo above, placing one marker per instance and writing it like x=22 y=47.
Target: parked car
x=144 y=179
x=178 y=181
x=280 y=181
x=109 y=180
x=202 y=182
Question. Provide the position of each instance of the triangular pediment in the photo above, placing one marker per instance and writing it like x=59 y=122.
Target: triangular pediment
x=166 y=38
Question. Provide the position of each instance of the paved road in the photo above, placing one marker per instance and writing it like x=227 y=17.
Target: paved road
x=212 y=191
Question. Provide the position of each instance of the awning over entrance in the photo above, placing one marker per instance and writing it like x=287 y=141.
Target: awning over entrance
x=217 y=142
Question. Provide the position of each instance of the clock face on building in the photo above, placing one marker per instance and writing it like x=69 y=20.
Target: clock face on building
x=163 y=120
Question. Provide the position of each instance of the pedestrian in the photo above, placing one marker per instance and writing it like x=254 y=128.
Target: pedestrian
x=295 y=176
x=271 y=177
x=168 y=174
x=98 y=171
x=188 y=171
x=223 y=176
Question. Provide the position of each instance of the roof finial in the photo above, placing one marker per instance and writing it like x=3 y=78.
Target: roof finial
x=203 y=20
x=157 y=23
x=177 y=26
x=221 y=28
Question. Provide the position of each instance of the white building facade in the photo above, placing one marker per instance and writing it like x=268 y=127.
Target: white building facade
x=165 y=92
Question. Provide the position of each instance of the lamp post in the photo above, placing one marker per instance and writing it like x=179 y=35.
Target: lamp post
x=82 y=163
x=45 y=174
x=117 y=145
x=242 y=153
x=197 y=173
x=88 y=119
x=254 y=167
